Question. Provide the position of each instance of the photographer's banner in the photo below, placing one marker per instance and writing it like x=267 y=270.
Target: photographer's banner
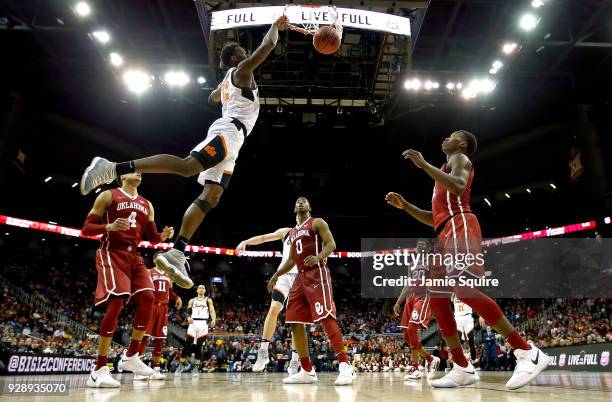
x=21 y=363
x=592 y=357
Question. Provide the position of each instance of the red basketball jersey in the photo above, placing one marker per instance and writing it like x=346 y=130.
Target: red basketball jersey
x=307 y=243
x=444 y=204
x=162 y=285
x=417 y=273
x=136 y=211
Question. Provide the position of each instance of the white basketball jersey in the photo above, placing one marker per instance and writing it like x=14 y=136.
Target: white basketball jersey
x=461 y=308
x=239 y=103
x=286 y=252
x=199 y=308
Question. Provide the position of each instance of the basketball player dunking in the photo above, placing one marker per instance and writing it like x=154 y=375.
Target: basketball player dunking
x=311 y=299
x=279 y=296
x=417 y=313
x=123 y=218
x=214 y=157
x=458 y=232
x=200 y=309
x=157 y=329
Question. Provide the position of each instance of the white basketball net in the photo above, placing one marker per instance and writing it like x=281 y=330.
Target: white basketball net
x=307 y=19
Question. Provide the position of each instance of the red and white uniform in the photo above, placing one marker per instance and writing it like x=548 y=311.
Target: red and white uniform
x=457 y=229
x=158 y=323
x=416 y=308
x=311 y=298
x=121 y=270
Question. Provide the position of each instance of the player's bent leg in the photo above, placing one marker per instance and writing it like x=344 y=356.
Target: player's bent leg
x=130 y=359
x=307 y=375
x=269 y=326
x=347 y=373
x=462 y=373
x=100 y=376
x=174 y=261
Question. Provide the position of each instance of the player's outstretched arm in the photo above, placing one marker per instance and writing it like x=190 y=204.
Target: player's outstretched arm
x=246 y=67
x=396 y=200
x=279 y=234
x=320 y=227
x=213 y=313
x=455 y=181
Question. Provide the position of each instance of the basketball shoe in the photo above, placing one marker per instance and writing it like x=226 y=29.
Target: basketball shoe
x=179 y=369
x=346 y=375
x=529 y=363
x=135 y=365
x=432 y=368
x=174 y=263
x=457 y=377
x=100 y=171
x=302 y=377
x=262 y=361
x=294 y=364
x=413 y=374
x=101 y=378
x=157 y=375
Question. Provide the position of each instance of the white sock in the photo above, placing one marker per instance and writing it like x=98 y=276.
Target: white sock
x=294 y=356
x=264 y=345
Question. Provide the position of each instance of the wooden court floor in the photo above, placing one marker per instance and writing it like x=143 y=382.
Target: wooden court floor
x=264 y=387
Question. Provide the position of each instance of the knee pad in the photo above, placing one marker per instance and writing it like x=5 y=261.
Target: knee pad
x=211 y=153
x=278 y=296
x=204 y=205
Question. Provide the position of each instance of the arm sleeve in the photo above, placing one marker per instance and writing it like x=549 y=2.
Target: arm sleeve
x=93 y=226
x=151 y=233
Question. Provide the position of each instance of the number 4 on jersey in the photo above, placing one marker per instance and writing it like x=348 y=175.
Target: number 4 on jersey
x=132 y=219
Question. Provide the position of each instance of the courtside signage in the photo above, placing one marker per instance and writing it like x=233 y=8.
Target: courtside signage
x=348 y=17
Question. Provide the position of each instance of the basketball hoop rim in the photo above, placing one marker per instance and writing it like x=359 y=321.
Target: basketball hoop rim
x=311 y=28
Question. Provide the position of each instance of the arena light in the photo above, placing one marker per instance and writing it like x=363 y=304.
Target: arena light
x=450 y=86
x=552 y=185
x=607 y=220
x=48 y=179
x=459 y=85
x=537 y=3
x=486 y=200
x=497 y=64
x=528 y=22
x=509 y=47
x=414 y=84
x=485 y=86
x=137 y=81
x=469 y=93
x=507 y=195
x=176 y=78
x=201 y=80
x=528 y=190
x=116 y=59
x=82 y=8
x=102 y=36
x=429 y=85
x=52 y=223
x=74 y=185
x=493 y=71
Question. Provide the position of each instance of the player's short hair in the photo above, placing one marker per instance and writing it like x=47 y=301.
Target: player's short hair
x=201 y=285
x=472 y=142
x=228 y=50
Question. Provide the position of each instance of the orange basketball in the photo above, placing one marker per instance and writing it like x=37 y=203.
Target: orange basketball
x=326 y=40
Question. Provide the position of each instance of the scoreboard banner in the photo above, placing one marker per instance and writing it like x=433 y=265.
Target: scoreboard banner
x=348 y=17
x=24 y=363
x=591 y=357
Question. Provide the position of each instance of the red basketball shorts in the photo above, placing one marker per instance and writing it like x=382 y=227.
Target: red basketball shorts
x=417 y=311
x=120 y=273
x=459 y=245
x=311 y=298
x=158 y=323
